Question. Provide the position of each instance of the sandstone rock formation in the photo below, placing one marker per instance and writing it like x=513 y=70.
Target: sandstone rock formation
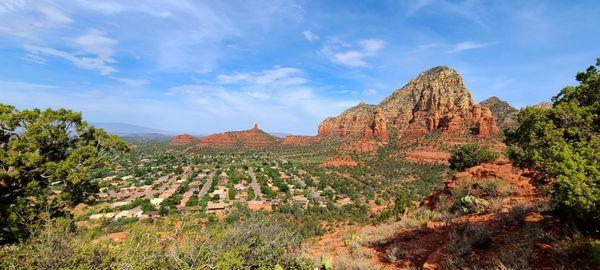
x=297 y=140
x=183 y=139
x=435 y=100
x=352 y=122
x=252 y=138
x=506 y=115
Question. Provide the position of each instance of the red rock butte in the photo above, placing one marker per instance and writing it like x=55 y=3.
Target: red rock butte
x=252 y=138
x=435 y=100
x=183 y=139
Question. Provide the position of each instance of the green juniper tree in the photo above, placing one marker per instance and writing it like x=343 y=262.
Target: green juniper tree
x=46 y=160
x=562 y=141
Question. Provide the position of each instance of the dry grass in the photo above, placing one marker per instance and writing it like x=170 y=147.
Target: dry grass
x=348 y=262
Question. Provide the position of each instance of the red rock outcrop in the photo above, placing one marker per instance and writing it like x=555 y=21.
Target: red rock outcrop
x=297 y=140
x=183 y=139
x=252 y=138
x=435 y=100
x=355 y=121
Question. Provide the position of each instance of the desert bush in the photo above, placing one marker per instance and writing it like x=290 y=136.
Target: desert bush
x=353 y=241
x=394 y=253
x=516 y=214
x=347 y=262
x=258 y=242
x=469 y=155
x=463 y=238
x=469 y=204
x=491 y=186
x=464 y=186
x=514 y=257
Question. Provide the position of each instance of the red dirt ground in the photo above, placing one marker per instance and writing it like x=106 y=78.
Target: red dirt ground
x=425 y=246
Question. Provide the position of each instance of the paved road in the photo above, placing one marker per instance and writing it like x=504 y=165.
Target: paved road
x=254 y=183
x=206 y=186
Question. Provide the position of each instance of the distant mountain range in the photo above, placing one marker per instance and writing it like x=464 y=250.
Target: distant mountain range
x=129 y=129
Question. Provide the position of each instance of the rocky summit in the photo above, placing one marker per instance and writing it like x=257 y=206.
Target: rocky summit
x=506 y=115
x=183 y=139
x=435 y=100
x=252 y=138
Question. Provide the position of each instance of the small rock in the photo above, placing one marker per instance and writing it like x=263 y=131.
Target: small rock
x=433 y=261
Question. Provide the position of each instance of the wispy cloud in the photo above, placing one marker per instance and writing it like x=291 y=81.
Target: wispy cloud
x=338 y=52
x=370 y=92
x=97 y=43
x=89 y=63
x=11 y=5
x=279 y=95
x=26 y=85
x=130 y=82
x=310 y=36
x=415 y=6
x=93 y=52
x=55 y=15
x=277 y=77
x=467 y=45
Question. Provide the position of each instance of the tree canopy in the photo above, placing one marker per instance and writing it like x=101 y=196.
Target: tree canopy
x=563 y=142
x=46 y=160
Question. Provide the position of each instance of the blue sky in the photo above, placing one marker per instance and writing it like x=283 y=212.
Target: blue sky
x=209 y=66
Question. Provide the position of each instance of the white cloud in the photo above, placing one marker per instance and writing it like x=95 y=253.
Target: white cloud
x=93 y=52
x=349 y=58
x=90 y=63
x=370 y=92
x=280 y=97
x=277 y=77
x=55 y=15
x=25 y=85
x=338 y=52
x=415 y=6
x=11 y=5
x=428 y=46
x=467 y=45
x=310 y=36
x=130 y=82
x=34 y=58
x=30 y=20
x=95 y=42
x=372 y=46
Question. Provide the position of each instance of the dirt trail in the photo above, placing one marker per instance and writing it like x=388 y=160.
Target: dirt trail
x=254 y=183
x=206 y=186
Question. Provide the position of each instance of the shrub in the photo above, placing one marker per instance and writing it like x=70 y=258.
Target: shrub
x=491 y=186
x=469 y=204
x=563 y=142
x=394 y=253
x=595 y=251
x=464 y=238
x=469 y=155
